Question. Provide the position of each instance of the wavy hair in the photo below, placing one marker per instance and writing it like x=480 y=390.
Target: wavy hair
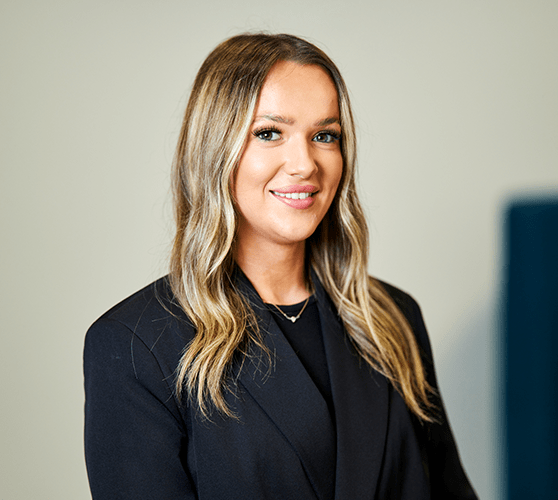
x=217 y=120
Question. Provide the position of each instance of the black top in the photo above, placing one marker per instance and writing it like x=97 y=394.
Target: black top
x=305 y=337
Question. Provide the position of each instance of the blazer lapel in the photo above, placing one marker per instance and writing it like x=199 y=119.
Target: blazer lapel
x=286 y=393
x=361 y=400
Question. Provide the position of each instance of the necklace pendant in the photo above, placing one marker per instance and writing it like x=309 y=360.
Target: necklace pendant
x=292 y=318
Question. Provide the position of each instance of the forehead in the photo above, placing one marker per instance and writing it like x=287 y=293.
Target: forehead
x=294 y=88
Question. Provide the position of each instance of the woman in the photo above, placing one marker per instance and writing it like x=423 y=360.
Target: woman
x=267 y=364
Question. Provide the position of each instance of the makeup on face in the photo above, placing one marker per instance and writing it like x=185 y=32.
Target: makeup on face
x=291 y=166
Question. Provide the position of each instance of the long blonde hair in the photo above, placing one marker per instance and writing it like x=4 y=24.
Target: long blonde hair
x=217 y=121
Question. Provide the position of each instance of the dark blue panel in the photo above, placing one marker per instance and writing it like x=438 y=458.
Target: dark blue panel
x=531 y=350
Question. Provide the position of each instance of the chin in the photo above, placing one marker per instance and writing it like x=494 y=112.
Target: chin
x=297 y=235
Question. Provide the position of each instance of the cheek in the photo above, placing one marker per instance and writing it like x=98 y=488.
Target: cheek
x=232 y=184
x=340 y=170
x=254 y=171
x=243 y=179
x=336 y=174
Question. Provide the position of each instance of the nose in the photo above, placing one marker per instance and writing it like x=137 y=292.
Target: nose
x=301 y=161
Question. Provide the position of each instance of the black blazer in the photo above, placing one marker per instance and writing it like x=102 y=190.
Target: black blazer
x=140 y=442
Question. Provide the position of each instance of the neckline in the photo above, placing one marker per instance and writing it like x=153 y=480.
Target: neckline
x=298 y=305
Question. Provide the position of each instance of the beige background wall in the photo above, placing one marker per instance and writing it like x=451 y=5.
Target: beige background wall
x=457 y=111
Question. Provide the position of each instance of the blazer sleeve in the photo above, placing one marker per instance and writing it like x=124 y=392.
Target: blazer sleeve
x=447 y=475
x=448 y=480
x=135 y=439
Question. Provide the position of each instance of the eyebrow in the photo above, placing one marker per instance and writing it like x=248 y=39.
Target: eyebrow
x=275 y=118
x=289 y=121
x=328 y=121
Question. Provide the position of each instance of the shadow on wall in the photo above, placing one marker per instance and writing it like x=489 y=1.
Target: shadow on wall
x=530 y=348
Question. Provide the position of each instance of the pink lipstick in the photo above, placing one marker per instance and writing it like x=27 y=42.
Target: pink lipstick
x=296 y=196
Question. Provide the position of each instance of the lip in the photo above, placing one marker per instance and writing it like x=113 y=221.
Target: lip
x=298 y=204
x=294 y=203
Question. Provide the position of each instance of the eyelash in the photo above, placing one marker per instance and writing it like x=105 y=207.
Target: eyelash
x=262 y=130
x=336 y=136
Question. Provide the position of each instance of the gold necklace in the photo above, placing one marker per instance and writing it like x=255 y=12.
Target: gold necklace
x=293 y=318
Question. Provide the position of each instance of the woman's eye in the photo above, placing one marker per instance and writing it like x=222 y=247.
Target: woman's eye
x=268 y=135
x=327 y=137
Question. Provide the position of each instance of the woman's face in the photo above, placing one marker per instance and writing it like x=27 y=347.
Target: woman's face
x=291 y=165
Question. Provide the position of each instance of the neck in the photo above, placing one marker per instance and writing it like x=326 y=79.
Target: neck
x=276 y=271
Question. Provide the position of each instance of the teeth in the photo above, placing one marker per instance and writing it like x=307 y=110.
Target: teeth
x=293 y=196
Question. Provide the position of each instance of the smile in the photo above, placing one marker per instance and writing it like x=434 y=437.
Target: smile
x=293 y=196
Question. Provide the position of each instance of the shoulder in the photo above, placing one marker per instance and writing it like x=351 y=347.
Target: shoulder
x=402 y=299
x=148 y=321
x=155 y=299
x=412 y=312
x=133 y=418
